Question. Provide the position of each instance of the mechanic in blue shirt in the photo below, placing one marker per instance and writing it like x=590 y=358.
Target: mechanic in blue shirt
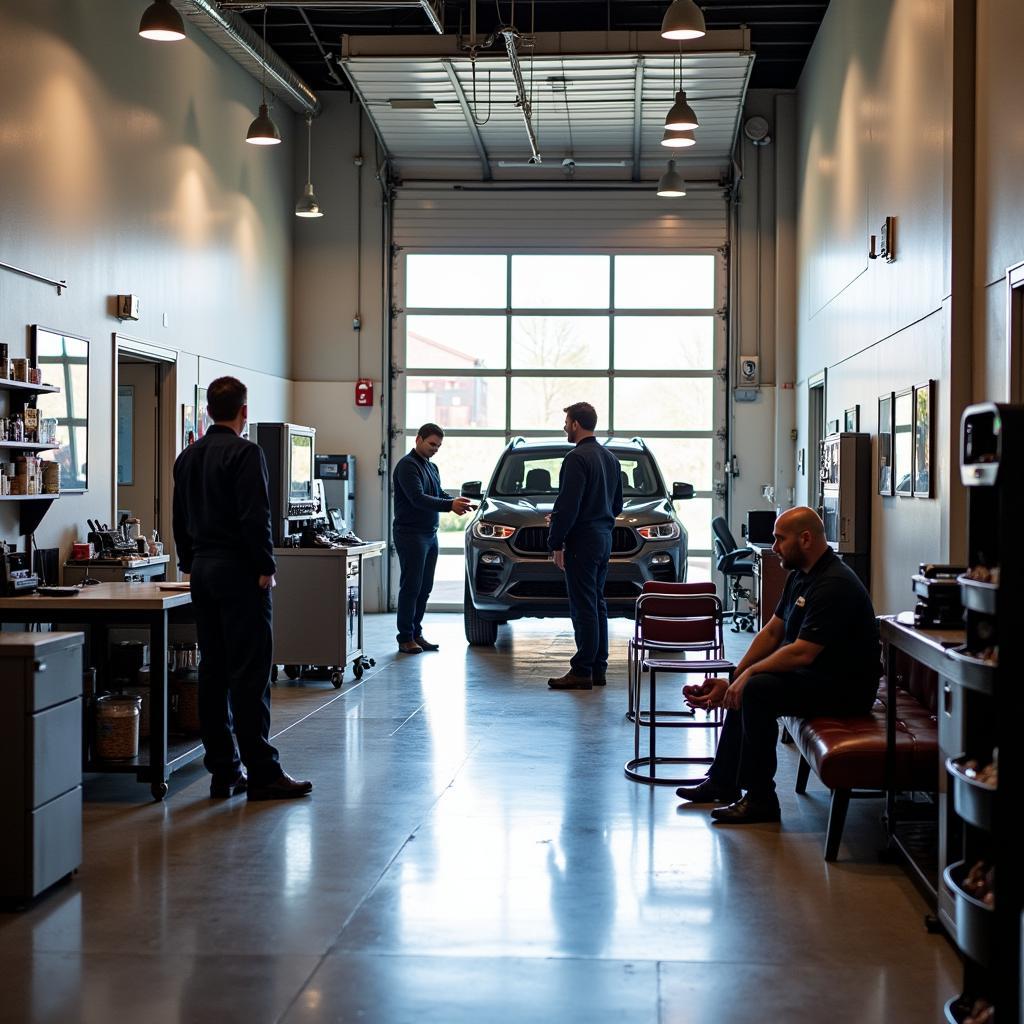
x=419 y=501
x=580 y=542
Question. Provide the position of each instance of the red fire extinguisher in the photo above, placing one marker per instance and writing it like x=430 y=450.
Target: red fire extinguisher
x=364 y=392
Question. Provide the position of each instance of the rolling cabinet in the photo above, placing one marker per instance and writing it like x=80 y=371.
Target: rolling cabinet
x=40 y=762
x=984 y=704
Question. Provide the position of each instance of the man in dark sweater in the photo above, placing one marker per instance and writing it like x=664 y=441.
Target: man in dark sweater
x=419 y=501
x=580 y=542
x=222 y=536
x=818 y=655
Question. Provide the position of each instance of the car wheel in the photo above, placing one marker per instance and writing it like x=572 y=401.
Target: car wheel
x=479 y=632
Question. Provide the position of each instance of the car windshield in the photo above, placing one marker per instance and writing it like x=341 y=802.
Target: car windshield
x=536 y=474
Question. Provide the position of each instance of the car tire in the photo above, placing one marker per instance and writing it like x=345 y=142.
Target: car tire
x=479 y=632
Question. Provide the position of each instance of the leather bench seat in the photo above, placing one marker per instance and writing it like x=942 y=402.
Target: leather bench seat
x=848 y=754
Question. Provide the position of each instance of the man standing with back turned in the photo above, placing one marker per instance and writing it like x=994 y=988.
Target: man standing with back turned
x=419 y=501
x=222 y=534
x=580 y=542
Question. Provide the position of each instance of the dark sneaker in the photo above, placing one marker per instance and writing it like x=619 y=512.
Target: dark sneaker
x=709 y=792
x=282 y=788
x=229 y=786
x=749 y=812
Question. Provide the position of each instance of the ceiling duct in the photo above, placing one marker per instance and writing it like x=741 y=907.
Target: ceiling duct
x=234 y=36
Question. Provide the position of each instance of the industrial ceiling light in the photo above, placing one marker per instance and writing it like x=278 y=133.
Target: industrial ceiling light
x=671 y=184
x=263 y=131
x=160 y=21
x=683 y=20
x=681 y=117
x=309 y=205
x=678 y=140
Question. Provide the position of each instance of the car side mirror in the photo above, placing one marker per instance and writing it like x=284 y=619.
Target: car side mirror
x=682 y=492
x=473 y=489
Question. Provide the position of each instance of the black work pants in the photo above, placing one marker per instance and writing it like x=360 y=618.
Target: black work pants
x=586 y=568
x=234 y=628
x=746 y=746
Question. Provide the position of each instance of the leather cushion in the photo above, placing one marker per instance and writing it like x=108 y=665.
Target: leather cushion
x=849 y=753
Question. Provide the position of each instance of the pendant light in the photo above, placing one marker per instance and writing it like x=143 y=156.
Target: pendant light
x=681 y=117
x=309 y=205
x=678 y=140
x=671 y=184
x=683 y=20
x=263 y=131
x=161 y=22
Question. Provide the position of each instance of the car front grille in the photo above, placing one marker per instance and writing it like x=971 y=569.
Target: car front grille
x=533 y=540
x=613 y=589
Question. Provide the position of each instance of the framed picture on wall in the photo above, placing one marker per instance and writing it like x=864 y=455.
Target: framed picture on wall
x=832 y=427
x=886 y=483
x=923 y=402
x=203 y=420
x=125 y=441
x=903 y=443
x=188 y=426
x=851 y=420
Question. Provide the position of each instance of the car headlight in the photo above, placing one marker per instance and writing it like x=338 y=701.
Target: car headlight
x=492 y=531
x=660 y=531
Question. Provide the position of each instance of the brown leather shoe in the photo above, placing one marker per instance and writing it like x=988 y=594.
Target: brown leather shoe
x=571 y=682
x=283 y=788
x=426 y=645
x=410 y=647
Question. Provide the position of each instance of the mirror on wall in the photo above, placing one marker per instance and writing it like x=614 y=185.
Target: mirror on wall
x=64 y=362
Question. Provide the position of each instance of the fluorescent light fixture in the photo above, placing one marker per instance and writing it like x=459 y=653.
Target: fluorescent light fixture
x=671 y=184
x=683 y=20
x=678 y=140
x=412 y=104
x=160 y=21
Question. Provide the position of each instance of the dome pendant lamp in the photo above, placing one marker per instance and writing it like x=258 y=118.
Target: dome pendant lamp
x=161 y=22
x=678 y=140
x=263 y=131
x=683 y=20
x=681 y=117
x=671 y=184
x=309 y=205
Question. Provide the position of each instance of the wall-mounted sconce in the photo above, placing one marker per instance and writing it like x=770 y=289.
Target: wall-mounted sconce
x=887 y=249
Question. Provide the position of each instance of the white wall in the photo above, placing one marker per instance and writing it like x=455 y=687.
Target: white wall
x=123 y=168
x=873 y=141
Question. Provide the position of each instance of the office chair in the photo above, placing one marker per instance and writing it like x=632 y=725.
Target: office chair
x=734 y=563
x=537 y=479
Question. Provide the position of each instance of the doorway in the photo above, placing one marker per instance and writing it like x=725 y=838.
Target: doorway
x=143 y=438
x=815 y=437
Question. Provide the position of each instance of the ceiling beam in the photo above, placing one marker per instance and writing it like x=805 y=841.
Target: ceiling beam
x=638 y=114
x=470 y=116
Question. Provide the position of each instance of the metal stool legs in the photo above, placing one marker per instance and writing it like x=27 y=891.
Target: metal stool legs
x=645 y=769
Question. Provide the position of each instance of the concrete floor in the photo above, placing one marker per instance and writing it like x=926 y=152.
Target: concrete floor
x=472 y=853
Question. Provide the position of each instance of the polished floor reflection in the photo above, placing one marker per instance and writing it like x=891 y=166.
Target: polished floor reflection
x=472 y=853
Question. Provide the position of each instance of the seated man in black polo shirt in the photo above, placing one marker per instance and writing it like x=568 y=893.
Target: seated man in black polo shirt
x=817 y=656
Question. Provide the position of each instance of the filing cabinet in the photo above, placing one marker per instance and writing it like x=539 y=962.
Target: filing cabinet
x=40 y=762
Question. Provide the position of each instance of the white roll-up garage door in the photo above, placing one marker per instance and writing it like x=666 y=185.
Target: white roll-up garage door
x=470 y=219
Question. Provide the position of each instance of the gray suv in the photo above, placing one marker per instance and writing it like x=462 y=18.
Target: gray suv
x=509 y=574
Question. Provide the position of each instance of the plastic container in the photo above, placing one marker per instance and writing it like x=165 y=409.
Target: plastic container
x=974 y=920
x=141 y=690
x=973 y=800
x=117 y=728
